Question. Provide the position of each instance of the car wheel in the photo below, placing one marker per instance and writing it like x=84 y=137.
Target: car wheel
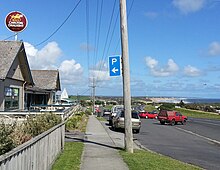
x=184 y=122
x=173 y=122
x=113 y=128
x=146 y=117
x=137 y=131
x=162 y=122
x=110 y=122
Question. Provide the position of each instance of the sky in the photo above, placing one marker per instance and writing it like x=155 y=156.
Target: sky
x=174 y=45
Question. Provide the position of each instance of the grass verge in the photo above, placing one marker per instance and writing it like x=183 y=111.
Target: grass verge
x=101 y=118
x=198 y=114
x=141 y=160
x=70 y=158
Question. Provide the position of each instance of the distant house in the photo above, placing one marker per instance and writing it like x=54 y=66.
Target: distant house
x=47 y=83
x=15 y=74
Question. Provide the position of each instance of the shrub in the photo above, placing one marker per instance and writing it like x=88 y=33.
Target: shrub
x=12 y=135
x=35 y=125
x=76 y=122
x=167 y=106
x=6 y=141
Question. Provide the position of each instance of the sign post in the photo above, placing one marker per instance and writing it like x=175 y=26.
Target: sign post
x=16 y=22
x=115 y=65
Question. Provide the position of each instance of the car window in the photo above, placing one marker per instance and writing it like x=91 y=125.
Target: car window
x=122 y=114
x=178 y=114
x=135 y=115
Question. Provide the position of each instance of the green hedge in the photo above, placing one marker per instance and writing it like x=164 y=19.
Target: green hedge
x=12 y=135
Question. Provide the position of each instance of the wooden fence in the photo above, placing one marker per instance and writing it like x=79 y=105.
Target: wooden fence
x=40 y=152
x=37 y=154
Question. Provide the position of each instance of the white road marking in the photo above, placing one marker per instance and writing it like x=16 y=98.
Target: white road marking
x=204 y=122
x=206 y=138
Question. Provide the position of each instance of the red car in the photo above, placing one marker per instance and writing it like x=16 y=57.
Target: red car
x=148 y=115
x=171 y=117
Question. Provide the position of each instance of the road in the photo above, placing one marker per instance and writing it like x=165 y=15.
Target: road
x=197 y=142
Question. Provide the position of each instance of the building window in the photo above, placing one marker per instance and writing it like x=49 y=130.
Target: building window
x=11 y=98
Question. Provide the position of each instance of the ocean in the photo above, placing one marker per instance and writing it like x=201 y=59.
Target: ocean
x=200 y=100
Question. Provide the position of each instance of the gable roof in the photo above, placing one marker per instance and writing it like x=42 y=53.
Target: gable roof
x=46 y=79
x=9 y=50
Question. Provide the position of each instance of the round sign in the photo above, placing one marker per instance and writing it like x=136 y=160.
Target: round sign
x=16 y=21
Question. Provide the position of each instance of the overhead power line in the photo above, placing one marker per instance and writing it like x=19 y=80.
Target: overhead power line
x=113 y=10
x=118 y=42
x=107 y=37
x=96 y=30
x=84 y=92
x=97 y=42
x=9 y=37
x=60 y=25
x=87 y=35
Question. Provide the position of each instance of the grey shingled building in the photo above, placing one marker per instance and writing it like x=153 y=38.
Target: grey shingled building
x=19 y=86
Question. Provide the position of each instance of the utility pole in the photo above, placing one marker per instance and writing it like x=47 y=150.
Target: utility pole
x=126 y=78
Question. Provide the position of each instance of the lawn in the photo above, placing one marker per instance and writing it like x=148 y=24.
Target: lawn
x=70 y=158
x=198 y=114
x=149 y=108
x=141 y=160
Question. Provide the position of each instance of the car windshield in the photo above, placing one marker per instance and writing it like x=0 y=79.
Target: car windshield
x=119 y=109
x=133 y=114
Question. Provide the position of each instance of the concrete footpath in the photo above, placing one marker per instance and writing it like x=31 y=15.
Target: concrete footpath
x=101 y=150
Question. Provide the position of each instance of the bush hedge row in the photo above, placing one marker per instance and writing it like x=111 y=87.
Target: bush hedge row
x=12 y=135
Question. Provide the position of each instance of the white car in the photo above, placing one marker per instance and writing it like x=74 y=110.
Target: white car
x=115 y=109
x=118 y=121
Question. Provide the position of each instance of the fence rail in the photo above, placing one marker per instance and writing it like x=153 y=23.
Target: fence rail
x=40 y=152
x=37 y=154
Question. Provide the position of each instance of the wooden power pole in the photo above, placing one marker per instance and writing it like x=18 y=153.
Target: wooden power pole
x=126 y=78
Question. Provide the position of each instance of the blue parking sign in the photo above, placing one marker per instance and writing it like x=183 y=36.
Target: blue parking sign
x=115 y=65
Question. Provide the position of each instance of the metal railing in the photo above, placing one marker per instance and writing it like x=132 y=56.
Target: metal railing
x=65 y=113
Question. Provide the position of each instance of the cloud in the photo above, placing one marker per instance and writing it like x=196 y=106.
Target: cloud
x=170 y=69
x=192 y=71
x=100 y=72
x=214 y=49
x=71 y=72
x=151 y=15
x=46 y=58
x=188 y=6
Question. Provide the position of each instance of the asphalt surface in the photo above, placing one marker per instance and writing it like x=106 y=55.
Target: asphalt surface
x=197 y=142
x=205 y=127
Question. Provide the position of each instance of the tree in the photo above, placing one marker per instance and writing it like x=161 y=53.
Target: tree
x=181 y=103
x=167 y=106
